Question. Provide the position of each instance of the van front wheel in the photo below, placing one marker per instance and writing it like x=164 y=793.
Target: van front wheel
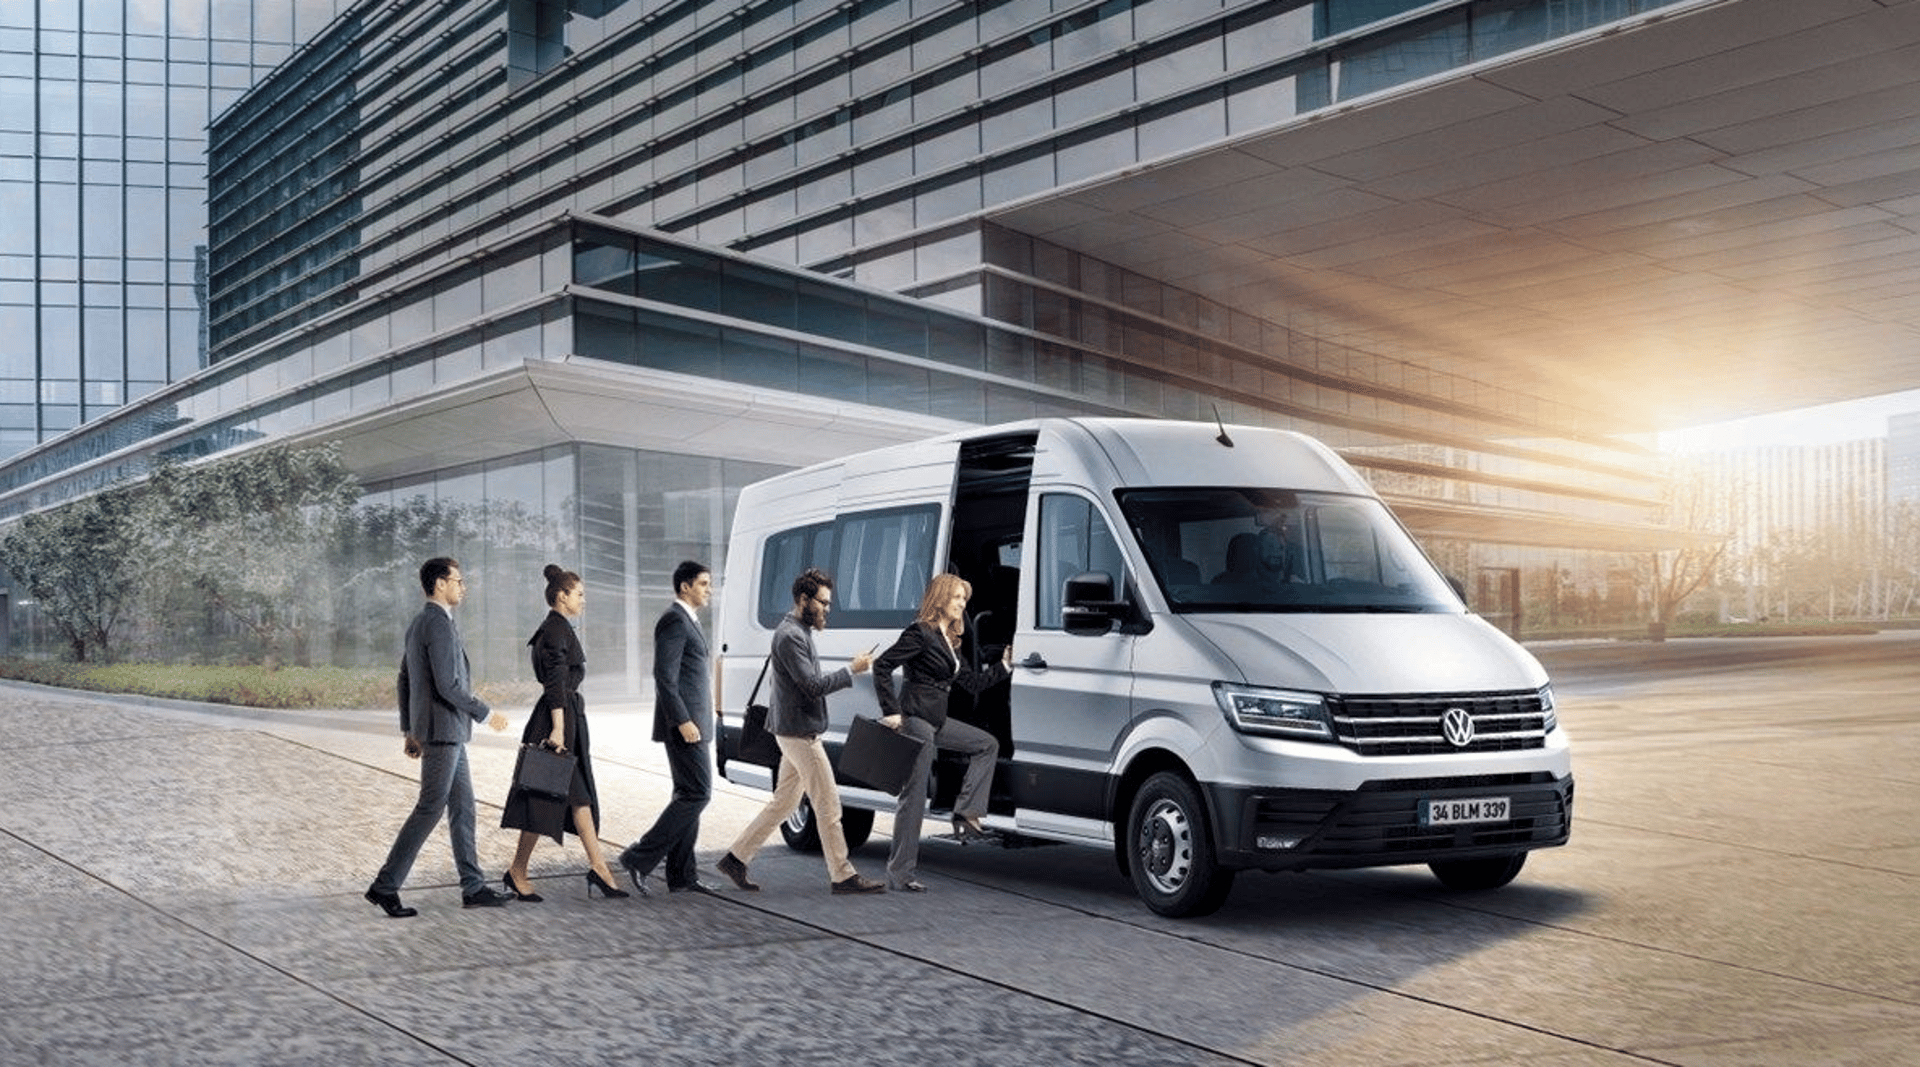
x=1171 y=850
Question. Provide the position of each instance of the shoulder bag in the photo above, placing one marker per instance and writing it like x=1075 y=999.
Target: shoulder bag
x=756 y=743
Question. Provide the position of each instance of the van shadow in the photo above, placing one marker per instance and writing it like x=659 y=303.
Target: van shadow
x=1379 y=925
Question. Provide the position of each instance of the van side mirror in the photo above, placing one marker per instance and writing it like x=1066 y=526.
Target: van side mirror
x=1088 y=607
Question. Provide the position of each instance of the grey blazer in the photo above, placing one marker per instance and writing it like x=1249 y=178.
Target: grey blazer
x=798 y=706
x=682 y=677
x=440 y=706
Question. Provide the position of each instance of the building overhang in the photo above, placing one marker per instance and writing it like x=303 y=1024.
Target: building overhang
x=536 y=404
x=1709 y=211
x=1431 y=519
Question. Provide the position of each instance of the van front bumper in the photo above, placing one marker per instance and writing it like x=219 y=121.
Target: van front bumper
x=1380 y=824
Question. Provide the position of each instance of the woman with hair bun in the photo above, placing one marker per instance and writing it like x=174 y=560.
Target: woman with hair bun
x=559 y=721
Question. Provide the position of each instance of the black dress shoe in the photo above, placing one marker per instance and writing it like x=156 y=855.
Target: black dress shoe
x=485 y=898
x=390 y=903
x=695 y=886
x=635 y=872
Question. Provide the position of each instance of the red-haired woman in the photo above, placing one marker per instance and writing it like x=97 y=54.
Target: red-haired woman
x=928 y=655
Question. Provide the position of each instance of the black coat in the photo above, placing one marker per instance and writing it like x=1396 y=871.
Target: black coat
x=930 y=667
x=559 y=664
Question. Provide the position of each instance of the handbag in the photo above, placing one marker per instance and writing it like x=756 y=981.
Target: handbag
x=756 y=743
x=876 y=756
x=543 y=772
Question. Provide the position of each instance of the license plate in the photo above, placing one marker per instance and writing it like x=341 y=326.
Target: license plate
x=1465 y=810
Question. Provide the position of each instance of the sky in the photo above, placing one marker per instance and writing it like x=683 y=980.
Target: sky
x=1825 y=424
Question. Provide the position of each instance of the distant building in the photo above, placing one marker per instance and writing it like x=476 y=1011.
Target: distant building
x=1903 y=459
x=1772 y=500
x=103 y=193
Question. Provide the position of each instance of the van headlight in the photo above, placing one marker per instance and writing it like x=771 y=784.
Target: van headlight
x=1282 y=712
x=1548 y=720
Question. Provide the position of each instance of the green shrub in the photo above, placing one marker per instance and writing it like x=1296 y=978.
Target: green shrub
x=289 y=687
x=247 y=686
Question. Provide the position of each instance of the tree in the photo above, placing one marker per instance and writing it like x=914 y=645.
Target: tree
x=78 y=562
x=251 y=537
x=1696 y=505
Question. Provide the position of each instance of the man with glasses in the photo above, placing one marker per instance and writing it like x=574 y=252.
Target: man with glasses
x=437 y=713
x=796 y=714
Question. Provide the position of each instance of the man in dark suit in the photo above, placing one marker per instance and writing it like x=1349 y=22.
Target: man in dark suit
x=437 y=713
x=683 y=721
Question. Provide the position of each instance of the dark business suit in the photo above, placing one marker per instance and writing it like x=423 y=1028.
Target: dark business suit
x=560 y=665
x=439 y=712
x=682 y=692
x=929 y=668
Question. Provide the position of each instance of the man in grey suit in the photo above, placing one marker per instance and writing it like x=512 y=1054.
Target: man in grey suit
x=683 y=721
x=796 y=716
x=437 y=713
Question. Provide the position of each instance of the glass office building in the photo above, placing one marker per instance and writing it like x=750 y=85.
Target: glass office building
x=579 y=271
x=104 y=106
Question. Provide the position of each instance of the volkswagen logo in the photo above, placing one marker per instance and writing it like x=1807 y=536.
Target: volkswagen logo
x=1457 y=724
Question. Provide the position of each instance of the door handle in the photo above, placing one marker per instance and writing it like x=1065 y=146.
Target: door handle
x=1034 y=662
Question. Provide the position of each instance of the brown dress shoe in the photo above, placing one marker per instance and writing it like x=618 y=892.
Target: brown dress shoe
x=858 y=883
x=736 y=873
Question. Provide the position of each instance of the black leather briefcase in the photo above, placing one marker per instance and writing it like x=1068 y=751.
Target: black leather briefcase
x=876 y=756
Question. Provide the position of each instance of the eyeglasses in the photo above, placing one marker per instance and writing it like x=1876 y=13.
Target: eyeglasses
x=825 y=605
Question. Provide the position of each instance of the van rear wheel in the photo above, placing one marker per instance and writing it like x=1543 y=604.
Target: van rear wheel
x=857 y=825
x=801 y=830
x=1171 y=858
x=1491 y=873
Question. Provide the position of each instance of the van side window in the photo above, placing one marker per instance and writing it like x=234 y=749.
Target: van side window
x=1074 y=539
x=882 y=563
x=787 y=553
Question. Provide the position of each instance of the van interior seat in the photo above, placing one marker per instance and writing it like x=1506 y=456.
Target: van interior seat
x=1178 y=570
x=1243 y=561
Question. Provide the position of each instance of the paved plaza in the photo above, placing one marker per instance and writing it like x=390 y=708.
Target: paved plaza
x=182 y=884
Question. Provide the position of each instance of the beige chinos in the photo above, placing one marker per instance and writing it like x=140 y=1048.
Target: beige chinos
x=804 y=771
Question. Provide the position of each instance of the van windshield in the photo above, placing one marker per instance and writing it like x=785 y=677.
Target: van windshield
x=1275 y=550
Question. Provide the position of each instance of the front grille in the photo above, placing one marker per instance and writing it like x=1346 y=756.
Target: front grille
x=1382 y=819
x=1411 y=725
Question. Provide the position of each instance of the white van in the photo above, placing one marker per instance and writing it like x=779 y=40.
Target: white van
x=1229 y=655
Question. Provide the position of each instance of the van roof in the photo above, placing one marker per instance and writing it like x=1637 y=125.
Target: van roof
x=1140 y=451
x=1170 y=452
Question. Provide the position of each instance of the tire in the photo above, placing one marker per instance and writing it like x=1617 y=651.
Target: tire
x=1490 y=873
x=857 y=825
x=1171 y=861
x=801 y=830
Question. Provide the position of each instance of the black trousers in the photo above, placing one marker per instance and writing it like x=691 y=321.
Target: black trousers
x=673 y=834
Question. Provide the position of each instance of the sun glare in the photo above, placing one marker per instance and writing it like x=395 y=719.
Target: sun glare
x=1850 y=420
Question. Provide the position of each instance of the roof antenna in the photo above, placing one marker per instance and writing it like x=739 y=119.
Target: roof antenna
x=1223 y=438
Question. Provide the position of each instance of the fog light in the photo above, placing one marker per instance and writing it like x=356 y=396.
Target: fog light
x=1266 y=841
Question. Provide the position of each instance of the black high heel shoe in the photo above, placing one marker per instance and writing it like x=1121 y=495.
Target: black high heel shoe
x=594 y=881
x=968 y=833
x=531 y=898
